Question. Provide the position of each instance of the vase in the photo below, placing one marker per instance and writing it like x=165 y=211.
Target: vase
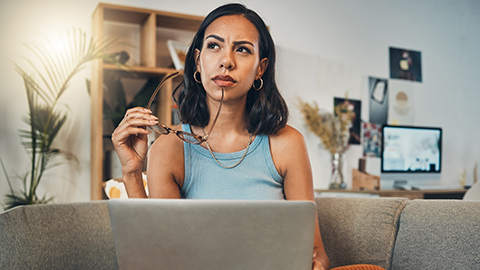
x=337 y=178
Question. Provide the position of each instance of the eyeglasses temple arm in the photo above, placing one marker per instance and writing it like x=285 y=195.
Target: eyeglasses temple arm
x=169 y=76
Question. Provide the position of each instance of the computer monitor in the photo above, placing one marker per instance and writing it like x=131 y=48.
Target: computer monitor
x=411 y=153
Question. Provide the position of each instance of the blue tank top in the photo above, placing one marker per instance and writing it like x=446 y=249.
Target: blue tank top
x=255 y=178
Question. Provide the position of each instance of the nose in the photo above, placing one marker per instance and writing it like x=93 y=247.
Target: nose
x=227 y=61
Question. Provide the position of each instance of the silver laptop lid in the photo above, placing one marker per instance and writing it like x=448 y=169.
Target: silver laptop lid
x=212 y=234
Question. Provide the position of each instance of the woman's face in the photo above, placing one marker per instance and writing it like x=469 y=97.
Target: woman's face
x=230 y=57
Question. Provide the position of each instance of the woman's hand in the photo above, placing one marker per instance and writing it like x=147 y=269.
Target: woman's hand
x=316 y=264
x=130 y=139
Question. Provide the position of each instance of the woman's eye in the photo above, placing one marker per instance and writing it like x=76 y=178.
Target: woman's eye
x=212 y=45
x=243 y=50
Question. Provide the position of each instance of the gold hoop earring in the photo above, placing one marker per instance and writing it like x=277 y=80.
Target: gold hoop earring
x=261 y=84
x=195 y=77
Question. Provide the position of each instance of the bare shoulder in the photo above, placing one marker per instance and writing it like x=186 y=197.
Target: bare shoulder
x=287 y=137
x=166 y=147
x=165 y=170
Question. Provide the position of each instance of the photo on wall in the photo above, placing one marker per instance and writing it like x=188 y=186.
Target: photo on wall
x=355 y=107
x=378 y=100
x=405 y=64
x=401 y=105
x=372 y=139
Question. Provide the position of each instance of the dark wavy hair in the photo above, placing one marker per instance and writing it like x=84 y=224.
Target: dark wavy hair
x=266 y=109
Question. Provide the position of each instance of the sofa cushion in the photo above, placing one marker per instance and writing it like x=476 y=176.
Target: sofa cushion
x=438 y=234
x=359 y=230
x=57 y=236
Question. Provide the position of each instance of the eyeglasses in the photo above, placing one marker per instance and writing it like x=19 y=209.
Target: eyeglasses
x=184 y=136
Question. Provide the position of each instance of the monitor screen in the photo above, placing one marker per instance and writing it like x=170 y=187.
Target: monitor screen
x=408 y=149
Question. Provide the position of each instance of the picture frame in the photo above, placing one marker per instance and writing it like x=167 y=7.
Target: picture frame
x=405 y=64
x=178 y=52
x=355 y=106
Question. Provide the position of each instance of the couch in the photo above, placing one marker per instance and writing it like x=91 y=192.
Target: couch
x=394 y=233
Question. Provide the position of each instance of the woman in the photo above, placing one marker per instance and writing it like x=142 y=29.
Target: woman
x=230 y=102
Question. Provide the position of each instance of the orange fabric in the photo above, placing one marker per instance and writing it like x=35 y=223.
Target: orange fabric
x=358 y=267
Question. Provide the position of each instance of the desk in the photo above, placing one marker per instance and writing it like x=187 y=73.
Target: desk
x=410 y=194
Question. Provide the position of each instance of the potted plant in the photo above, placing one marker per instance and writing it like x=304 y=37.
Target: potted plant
x=48 y=78
x=333 y=131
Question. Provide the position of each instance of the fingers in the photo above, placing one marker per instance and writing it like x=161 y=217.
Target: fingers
x=139 y=116
x=134 y=123
x=316 y=265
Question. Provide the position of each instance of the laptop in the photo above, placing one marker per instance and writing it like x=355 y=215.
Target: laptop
x=179 y=234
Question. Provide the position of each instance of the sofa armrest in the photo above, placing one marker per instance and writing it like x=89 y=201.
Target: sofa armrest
x=359 y=230
x=438 y=234
x=57 y=236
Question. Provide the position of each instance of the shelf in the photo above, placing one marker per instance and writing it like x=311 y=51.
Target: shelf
x=143 y=34
x=134 y=15
x=154 y=71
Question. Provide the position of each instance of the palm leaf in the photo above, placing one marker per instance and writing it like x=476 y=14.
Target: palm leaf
x=53 y=70
x=7 y=177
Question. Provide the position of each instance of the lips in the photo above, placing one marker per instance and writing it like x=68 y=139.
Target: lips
x=223 y=80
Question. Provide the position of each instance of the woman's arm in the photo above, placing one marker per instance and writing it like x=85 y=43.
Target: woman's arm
x=130 y=142
x=165 y=167
x=291 y=159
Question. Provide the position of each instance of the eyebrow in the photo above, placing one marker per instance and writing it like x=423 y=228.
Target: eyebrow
x=234 y=43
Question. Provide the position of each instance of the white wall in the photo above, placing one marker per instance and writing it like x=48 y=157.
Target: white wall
x=354 y=35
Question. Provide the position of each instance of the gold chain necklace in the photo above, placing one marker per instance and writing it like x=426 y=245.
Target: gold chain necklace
x=236 y=164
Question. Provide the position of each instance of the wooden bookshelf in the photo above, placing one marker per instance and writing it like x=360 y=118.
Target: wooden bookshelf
x=149 y=30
